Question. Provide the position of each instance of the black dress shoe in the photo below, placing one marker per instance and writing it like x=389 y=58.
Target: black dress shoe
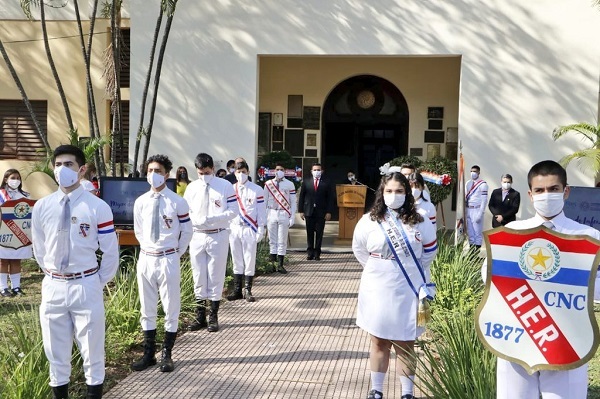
x=375 y=394
x=309 y=257
x=318 y=257
x=6 y=293
x=408 y=396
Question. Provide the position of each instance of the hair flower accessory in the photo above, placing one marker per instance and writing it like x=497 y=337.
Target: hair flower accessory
x=386 y=169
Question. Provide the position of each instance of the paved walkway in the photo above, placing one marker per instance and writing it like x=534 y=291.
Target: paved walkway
x=298 y=340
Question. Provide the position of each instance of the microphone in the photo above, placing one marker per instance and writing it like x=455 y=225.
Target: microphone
x=357 y=182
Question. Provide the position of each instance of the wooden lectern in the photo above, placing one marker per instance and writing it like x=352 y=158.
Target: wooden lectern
x=127 y=237
x=351 y=201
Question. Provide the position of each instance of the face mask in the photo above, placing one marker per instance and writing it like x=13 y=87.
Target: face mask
x=351 y=177
x=13 y=183
x=65 y=177
x=280 y=174
x=416 y=193
x=506 y=186
x=316 y=174
x=205 y=178
x=231 y=170
x=548 y=204
x=242 y=178
x=183 y=175
x=394 y=201
x=474 y=175
x=155 y=180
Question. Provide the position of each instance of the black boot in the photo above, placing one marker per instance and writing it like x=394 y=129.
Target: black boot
x=149 y=358
x=94 y=391
x=237 y=290
x=200 y=321
x=166 y=363
x=213 y=317
x=60 y=392
x=273 y=258
x=248 y=292
x=280 y=267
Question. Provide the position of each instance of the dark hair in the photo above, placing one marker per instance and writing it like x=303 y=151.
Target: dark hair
x=178 y=177
x=408 y=166
x=160 y=159
x=68 y=149
x=546 y=168
x=5 y=181
x=280 y=164
x=476 y=167
x=407 y=212
x=223 y=171
x=506 y=176
x=417 y=178
x=89 y=169
x=230 y=163
x=242 y=165
x=203 y=160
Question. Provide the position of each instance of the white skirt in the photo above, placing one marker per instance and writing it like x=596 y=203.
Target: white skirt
x=387 y=306
x=21 y=253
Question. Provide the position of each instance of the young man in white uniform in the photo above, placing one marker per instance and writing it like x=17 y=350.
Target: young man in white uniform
x=247 y=229
x=163 y=228
x=280 y=198
x=212 y=205
x=476 y=193
x=547 y=190
x=68 y=226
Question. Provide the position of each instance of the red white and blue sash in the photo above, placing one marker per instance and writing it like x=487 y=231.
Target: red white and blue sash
x=253 y=224
x=473 y=188
x=397 y=240
x=279 y=197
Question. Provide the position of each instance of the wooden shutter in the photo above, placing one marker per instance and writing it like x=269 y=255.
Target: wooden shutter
x=125 y=58
x=19 y=138
x=125 y=122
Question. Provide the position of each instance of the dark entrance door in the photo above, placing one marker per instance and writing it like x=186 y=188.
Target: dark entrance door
x=365 y=124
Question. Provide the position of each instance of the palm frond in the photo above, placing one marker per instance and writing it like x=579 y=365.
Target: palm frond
x=168 y=7
x=587 y=160
x=587 y=130
x=26 y=7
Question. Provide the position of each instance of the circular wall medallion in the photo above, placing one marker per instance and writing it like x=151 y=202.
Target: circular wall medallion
x=365 y=99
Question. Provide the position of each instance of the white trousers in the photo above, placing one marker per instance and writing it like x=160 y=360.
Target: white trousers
x=242 y=241
x=474 y=229
x=514 y=382
x=208 y=255
x=73 y=309
x=159 y=276
x=278 y=227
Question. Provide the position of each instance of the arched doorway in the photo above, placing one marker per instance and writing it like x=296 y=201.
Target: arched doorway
x=365 y=124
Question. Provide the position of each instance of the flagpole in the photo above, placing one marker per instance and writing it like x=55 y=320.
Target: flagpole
x=460 y=229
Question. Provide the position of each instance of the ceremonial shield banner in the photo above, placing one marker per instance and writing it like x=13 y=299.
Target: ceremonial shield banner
x=537 y=308
x=15 y=229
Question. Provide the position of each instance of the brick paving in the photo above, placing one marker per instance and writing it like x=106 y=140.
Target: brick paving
x=298 y=340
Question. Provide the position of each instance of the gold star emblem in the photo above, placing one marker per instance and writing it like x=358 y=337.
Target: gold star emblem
x=539 y=259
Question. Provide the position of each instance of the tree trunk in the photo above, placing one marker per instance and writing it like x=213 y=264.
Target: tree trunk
x=116 y=109
x=99 y=153
x=59 y=85
x=15 y=77
x=140 y=130
x=159 y=62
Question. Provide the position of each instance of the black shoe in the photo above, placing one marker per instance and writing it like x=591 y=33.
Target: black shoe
x=17 y=291
x=318 y=257
x=6 y=293
x=213 y=317
x=374 y=394
x=408 y=396
x=237 y=290
x=272 y=257
x=310 y=257
x=200 y=321
x=60 y=392
x=166 y=363
x=148 y=358
x=281 y=270
x=94 y=391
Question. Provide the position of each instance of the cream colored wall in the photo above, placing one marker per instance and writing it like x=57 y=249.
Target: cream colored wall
x=424 y=82
x=24 y=45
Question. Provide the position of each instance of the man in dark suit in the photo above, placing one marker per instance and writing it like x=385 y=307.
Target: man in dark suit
x=316 y=202
x=504 y=203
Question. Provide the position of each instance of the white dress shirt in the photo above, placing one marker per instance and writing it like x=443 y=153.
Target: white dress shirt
x=222 y=203
x=252 y=197
x=288 y=190
x=91 y=228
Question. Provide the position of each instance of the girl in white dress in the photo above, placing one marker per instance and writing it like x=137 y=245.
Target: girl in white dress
x=424 y=207
x=10 y=259
x=392 y=279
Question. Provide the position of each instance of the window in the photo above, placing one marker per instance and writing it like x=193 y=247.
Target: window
x=19 y=138
x=117 y=144
x=125 y=58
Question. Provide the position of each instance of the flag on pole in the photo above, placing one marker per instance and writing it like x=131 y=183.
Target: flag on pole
x=460 y=228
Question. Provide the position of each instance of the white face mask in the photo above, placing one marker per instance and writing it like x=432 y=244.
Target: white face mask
x=65 y=177
x=205 y=178
x=548 y=204
x=394 y=201
x=280 y=174
x=474 y=175
x=416 y=193
x=13 y=183
x=506 y=186
x=242 y=178
x=155 y=180
x=231 y=170
x=351 y=177
x=316 y=173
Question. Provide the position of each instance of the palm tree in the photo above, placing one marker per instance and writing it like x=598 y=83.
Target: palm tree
x=588 y=159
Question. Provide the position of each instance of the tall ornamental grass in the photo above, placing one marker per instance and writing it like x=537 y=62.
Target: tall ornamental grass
x=454 y=363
